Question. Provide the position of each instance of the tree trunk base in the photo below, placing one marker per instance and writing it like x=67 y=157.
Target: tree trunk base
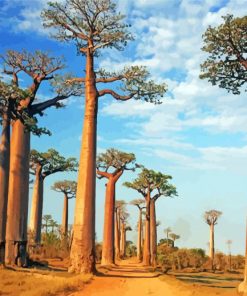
x=2 y=252
x=242 y=289
x=16 y=253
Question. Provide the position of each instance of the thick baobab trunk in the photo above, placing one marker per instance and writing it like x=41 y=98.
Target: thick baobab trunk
x=82 y=255
x=211 y=243
x=37 y=206
x=123 y=241
x=4 y=181
x=108 y=236
x=65 y=216
x=146 y=251
x=17 y=210
x=153 y=233
x=117 y=236
x=139 y=240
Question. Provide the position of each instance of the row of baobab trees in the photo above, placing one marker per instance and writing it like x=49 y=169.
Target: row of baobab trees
x=93 y=26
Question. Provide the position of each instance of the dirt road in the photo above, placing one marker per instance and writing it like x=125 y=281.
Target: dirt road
x=134 y=280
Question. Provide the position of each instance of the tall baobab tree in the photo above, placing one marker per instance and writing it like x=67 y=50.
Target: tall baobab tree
x=119 y=208
x=226 y=65
x=167 y=231
x=43 y=165
x=139 y=204
x=39 y=67
x=174 y=237
x=111 y=165
x=123 y=229
x=94 y=26
x=10 y=94
x=151 y=185
x=211 y=217
x=68 y=188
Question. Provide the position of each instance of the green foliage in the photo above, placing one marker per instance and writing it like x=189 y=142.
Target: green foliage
x=93 y=23
x=138 y=203
x=131 y=250
x=116 y=160
x=51 y=162
x=156 y=182
x=226 y=45
x=67 y=187
x=211 y=217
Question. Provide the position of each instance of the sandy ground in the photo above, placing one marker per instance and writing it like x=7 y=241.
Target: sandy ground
x=133 y=280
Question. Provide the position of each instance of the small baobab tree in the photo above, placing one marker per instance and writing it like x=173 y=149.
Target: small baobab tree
x=151 y=185
x=139 y=203
x=119 y=208
x=229 y=244
x=68 y=188
x=226 y=65
x=211 y=217
x=174 y=237
x=46 y=219
x=37 y=67
x=111 y=165
x=43 y=165
x=167 y=231
x=123 y=229
x=94 y=26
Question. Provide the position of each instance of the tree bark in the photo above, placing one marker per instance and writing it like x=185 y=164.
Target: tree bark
x=146 y=251
x=139 y=240
x=117 y=236
x=211 y=243
x=108 y=236
x=65 y=216
x=4 y=180
x=123 y=241
x=37 y=206
x=17 y=209
x=82 y=255
x=153 y=233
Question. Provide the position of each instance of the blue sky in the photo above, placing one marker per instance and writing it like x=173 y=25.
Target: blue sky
x=198 y=135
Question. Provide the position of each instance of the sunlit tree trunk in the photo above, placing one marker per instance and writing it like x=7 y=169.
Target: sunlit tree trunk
x=117 y=236
x=37 y=206
x=211 y=244
x=65 y=216
x=108 y=236
x=82 y=255
x=146 y=251
x=153 y=233
x=139 y=241
x=123 y=241
x=4 y=180
x=17 y=210
x=242 y=288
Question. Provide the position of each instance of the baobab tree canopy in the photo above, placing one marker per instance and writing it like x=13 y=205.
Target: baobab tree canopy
x=226 y=44
x=138 y=203
x=67 y=187
x=51 y=162
x=212 y=216
x=113 y=161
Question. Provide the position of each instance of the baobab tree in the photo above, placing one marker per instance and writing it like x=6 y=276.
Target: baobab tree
x=46 y=222
x=111 y=165
x=119 y=208
x=43 y=165
x=94 y=26
x=10 y=94
x=151 y=185
x=123 y=229
x=139 y=204
x=174 y=237
x=211 y=217
x=229 y=243
x=226 y=65
x=68 y=188
x=39 y=67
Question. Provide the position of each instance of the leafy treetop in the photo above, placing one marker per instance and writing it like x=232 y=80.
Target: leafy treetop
x=212 y=216
x=113 y=162
x=50 y=162
x=67 y=187
x=226 y=45
x=138 y=203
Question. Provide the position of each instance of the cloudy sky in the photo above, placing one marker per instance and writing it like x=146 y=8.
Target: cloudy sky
x=198 y=134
